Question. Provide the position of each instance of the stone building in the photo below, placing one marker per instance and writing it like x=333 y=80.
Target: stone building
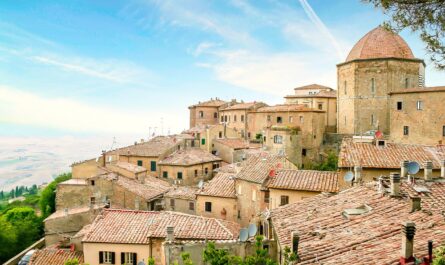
x=290 y=186
x=188 y=166
x=368 y=159
x=286 y=140
x=317 y=97
x=206 y=113
x=235 y=116
x=129 y=237
x=204 y=135
x=379 y=63
x=418 y=116
x=232 y=150
x=181 y=199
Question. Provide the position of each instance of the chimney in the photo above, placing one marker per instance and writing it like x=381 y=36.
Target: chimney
x=415 y=204
x=170 y=230
x=430 y=251
x=404 y=169
x=295 y=241
x=428 y=170
x=408 y=230
x=103 y=158
x=442 y=168
x=395 y=183
x=358 y=174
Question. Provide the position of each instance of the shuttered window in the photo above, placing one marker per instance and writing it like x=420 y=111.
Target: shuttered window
x=106 y=257
x=128 y=258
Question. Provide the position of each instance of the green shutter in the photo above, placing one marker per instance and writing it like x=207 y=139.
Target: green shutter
x=203 y=141
x=153 y=165
x=179 y=175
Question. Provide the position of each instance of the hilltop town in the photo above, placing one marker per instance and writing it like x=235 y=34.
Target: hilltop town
x=249 y=168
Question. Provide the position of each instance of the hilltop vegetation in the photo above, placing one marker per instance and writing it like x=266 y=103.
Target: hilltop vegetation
x=21 y=221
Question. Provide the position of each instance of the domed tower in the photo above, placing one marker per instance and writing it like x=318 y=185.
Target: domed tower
x=379 y=63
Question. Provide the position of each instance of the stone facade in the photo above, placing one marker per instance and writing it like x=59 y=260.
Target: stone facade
x=86 y=169
x=286 y=141
x=72 y=193
x=418 y=116
x=204 y=135
x=205 y=113
x=235 y=116
x=188 y=175
x=222 y=208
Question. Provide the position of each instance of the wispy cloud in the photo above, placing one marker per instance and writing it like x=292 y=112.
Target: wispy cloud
x=322 y=27
x=19 y=107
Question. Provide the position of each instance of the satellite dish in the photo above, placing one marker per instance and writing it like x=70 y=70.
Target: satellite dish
x=201 y=184
x=413 y=167
x=243 y=235
x=349 y=176
x=252 y=230
x=141 y=263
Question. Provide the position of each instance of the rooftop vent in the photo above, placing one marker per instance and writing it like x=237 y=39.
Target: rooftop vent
x=362 y=209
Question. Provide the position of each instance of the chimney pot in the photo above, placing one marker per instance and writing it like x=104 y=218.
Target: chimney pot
x=170 y=232
x=442 y=168
x=415 y=204
x=408 y=230
x=395 y=183
x=404 y=169
x=428 y=170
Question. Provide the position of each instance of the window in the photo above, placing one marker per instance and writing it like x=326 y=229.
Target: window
x=140 y=163
x=419 y=105
x=191 y=206
x=215 y=115
x=92 y=200
x=206 y=171
x=405 y=130
x=279 y=119
x=239 y=214
x=220 y=134
x=165 y=174
x=201 y=114
x=278 y=139
x=92 y=182
x=344 y=85
x=264 y=139
x=406 y=82
x=284 y=200
x=443 y=130
x=208 y=207
x=372 y=85
x=179 y=175
x=203 y=141
x=399 y=105
x=248 y=135
x=303 y=152
x=320 y=106
x=291 y=119
x=372 y=119
x=196 y=172
x=172 y=203
x=106 y=257
x=153 y=166
x=268 y=118
x=234 y=118
x=266 y=196
x=222 y=118
x=128 y=258
x=242 y=118
x=253 y=195
x=225 y=118
x=301 y=119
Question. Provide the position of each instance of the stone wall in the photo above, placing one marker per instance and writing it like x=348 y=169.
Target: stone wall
x=71 y=196
x=191 y=175
x=180 y=205
x=208 y=117
x=220 y=206
x=85 y=169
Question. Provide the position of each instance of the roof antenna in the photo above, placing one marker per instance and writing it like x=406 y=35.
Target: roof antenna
x=113 y=143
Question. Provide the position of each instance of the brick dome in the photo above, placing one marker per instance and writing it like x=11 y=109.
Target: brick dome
x=380 y=43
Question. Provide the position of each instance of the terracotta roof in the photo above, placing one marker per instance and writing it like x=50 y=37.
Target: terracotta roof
x=135 y=227
x=420 y=90
x=222 y=185
x=189 y=156
x=130 y=167
x=327 y=236
x=150 y=189
x=368 y=155
x=244 y=106
x=256 y=167
x=380 y=43
x=182 y=192
x=287 y=108
x=235 y=143
x=74 y=182
x=152 y=148
x=210 y=103
x=307 y=180
x=54 y=256
x=321 y=94
x=71 y=211
x=313 y=87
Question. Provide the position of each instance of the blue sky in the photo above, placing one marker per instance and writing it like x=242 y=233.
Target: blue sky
x=119 y=67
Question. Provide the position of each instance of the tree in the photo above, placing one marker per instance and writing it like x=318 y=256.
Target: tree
x=7 y=241
x=330 y=164
x=424 y=16
x=48 y=198
x=2 y=195
x=261 y=255
x=73 y=262
x=290 y=257
x=28 y=227
x=439 y=256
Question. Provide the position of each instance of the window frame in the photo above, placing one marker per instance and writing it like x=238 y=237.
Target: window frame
x=419 y=105
x=153 y=166
x=179 y=175
x=284 y=200
x=191 y=206
x=208 y=207
x=405 y=130
x=165 y=174
x=399 y=105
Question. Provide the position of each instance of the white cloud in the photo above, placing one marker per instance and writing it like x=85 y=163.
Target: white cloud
x=26 y=108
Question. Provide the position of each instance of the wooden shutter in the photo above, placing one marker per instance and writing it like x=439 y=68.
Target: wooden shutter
x=113 y=258
x=122 y=257
x=101 y=257
x=135 y=260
